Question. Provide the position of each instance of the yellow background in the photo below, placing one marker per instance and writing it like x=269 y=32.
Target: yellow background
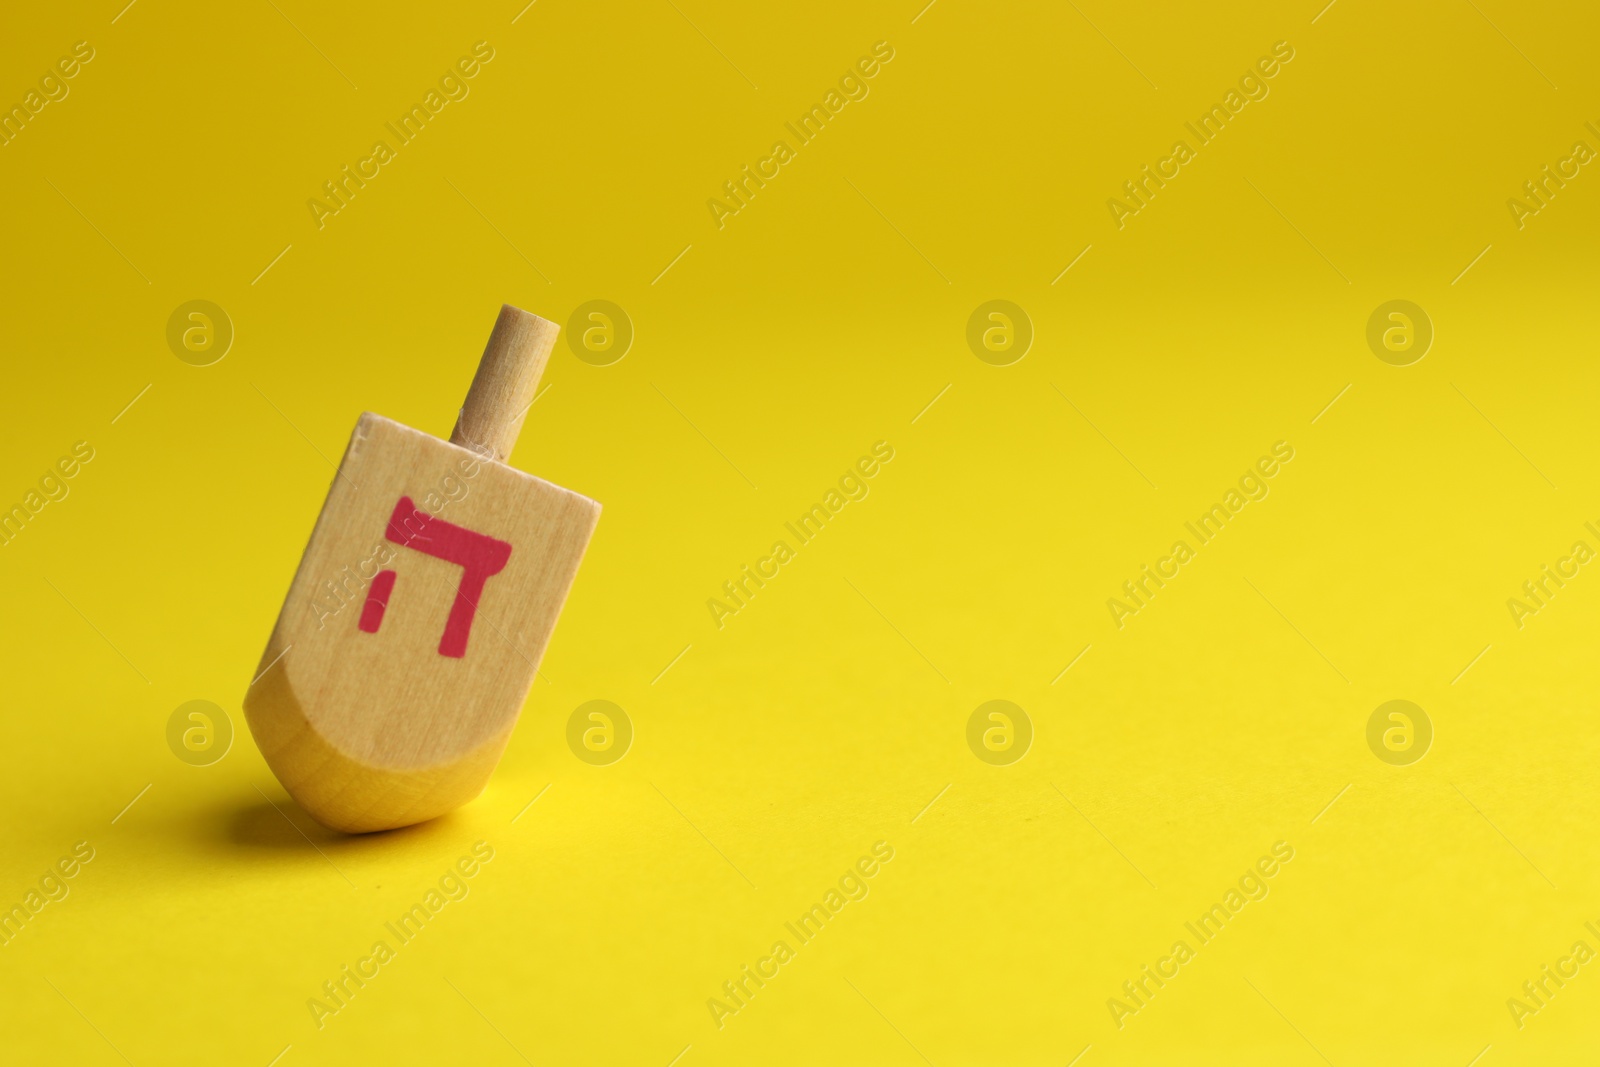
x=822 y=718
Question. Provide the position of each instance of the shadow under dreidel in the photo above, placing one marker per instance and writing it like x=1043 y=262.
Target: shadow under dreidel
x=267 y=822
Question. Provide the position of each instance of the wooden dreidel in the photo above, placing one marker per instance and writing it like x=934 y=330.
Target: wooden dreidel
x=421 y=608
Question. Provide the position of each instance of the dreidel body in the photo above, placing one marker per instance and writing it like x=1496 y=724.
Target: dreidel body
x=416 y=621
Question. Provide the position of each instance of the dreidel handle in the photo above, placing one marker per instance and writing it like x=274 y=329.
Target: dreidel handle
x=503 y=389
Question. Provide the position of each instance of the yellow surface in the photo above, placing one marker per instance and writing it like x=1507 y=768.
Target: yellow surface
x=831 y=712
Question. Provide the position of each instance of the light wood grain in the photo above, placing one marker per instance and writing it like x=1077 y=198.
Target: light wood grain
x=506 y=383
x=370 y=729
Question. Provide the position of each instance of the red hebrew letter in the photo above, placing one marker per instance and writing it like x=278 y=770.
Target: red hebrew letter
x=479 y=556
x=377 y=601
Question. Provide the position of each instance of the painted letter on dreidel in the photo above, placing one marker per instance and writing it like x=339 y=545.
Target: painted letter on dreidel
x=479 y=556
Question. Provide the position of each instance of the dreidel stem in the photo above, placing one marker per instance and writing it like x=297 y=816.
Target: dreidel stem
x=503 y=389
